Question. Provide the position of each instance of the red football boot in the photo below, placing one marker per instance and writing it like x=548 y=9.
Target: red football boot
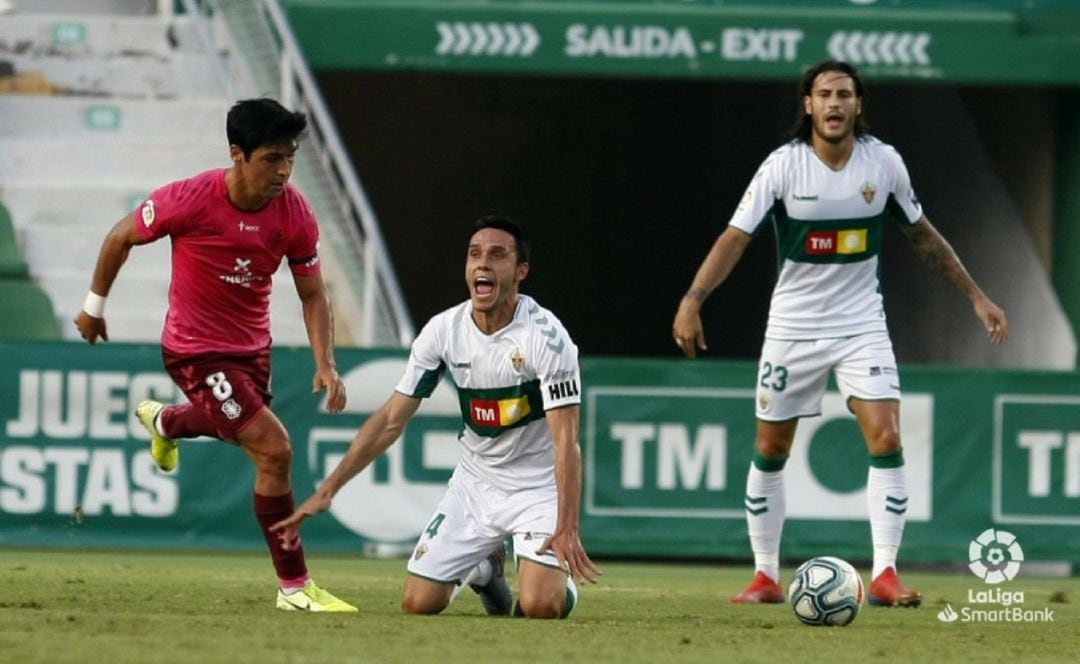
x=887 y=590
x=762 y=590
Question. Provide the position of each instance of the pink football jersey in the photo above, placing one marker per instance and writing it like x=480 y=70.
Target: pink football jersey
x=223 y=259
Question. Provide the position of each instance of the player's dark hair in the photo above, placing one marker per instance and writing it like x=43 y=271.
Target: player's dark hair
x=803 y=128
x=504 y=223
x=255 y=123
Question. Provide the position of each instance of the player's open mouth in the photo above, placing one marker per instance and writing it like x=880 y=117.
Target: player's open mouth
x=834 y=120
x=483 y=286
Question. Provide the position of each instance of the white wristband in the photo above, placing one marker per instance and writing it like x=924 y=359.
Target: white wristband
x=94 y=305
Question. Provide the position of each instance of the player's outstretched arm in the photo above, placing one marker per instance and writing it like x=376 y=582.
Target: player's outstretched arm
x=377 y=434
x=725 y=253
x=565 y=542
x=319 y=321
x=90 y=321
x=935 y=250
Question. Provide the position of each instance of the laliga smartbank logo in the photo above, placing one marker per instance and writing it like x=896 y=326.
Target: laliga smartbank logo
x=995 y=557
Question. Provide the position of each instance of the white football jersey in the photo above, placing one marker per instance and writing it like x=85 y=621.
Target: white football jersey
x=829 y=229
x=505 y=382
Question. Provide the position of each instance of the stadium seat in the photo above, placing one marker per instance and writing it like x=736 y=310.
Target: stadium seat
x=12 y=265
x=30 y=312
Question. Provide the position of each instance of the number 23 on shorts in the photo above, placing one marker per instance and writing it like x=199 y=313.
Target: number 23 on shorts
x=773 y=377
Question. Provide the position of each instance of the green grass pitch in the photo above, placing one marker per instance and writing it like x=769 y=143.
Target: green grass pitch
x=145 y=607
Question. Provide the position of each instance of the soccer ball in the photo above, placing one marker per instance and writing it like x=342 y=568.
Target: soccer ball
x=826 y=591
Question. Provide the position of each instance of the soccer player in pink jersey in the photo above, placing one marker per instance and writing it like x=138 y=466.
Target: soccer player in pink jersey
x=230 y=229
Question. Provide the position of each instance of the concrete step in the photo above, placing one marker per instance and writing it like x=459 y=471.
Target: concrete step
x=30 y=116
x=97 y=206
x=55 y=162
x=85 y=7
x=180 y=76
x=85 y=35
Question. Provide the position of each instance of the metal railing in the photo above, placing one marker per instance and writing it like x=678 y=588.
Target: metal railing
x=299 y=90
x=259 y=32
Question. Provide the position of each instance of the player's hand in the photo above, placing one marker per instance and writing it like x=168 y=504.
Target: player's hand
x=993 y=319
x=687 y=330
x=288 y=529
x=90 y=328
x=567 y=547
x=328 y=379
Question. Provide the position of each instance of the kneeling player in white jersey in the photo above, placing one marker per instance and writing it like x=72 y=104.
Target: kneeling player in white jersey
x=519 y=475
x=828 y=193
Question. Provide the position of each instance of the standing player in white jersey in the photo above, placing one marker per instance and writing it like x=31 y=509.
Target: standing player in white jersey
x=519 y=475
x=828 y=193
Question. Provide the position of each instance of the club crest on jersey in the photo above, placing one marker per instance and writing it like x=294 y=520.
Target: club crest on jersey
x=868 y=190
x=148 y=212
x=517 y=360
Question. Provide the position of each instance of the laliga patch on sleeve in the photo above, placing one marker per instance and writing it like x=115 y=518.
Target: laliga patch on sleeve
x=148 y=212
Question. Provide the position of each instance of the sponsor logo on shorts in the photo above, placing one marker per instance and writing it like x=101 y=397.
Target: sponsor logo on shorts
x=533 y=535
x=231 y=409
x=420 y=551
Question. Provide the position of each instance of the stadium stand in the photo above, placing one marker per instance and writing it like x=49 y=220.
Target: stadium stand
x=103 y=101
x=35 y=320
x=12 y=264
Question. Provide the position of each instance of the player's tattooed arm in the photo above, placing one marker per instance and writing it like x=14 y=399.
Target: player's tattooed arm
x=935 y=251
x=698 y=294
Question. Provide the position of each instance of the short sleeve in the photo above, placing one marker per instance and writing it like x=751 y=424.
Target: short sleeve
x=426 y=365
x=556 y=363
x=167 y=210
x=903 y=202
x=760 y=197
x=303 y=250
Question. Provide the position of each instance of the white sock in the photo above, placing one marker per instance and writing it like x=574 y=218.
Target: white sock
x=571 y=597
x=765 y=511
x=887 y=502
x=478 y=576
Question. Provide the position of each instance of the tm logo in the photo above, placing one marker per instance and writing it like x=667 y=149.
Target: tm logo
x=995 y=556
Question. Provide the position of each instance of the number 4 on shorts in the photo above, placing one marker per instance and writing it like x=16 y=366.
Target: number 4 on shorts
x=433 y=528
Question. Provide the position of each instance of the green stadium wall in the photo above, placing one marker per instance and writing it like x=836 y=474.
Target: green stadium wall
x=666 y=446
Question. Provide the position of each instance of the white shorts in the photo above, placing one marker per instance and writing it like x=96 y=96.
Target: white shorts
x=792 y=375
x=473 y=518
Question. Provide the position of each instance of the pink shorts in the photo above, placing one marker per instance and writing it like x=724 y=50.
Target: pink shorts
x=229 y=389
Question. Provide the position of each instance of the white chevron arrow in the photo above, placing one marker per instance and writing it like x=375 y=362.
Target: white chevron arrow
x=479 y=38
x=446 y=38
x=475 y=38
x=888 y=48
x=532 y=39
x=497 y=39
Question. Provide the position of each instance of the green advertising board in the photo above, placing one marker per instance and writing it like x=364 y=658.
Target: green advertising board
x=995 y=42
x=666 y=447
